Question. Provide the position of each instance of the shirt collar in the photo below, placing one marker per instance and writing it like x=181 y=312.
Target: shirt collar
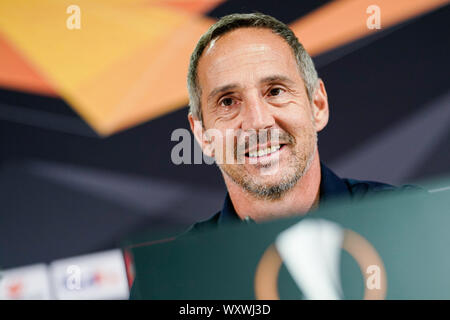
x=228 y=214
x=330 y=186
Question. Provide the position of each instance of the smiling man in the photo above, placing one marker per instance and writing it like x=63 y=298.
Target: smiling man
x=250 y=75
x=253 y=84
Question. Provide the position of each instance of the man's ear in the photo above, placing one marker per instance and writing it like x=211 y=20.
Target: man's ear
x=201 y=136
x=320 y=106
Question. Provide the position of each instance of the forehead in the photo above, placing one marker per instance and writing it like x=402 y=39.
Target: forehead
x=243 y=55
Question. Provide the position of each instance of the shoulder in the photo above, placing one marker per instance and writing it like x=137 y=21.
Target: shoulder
x=361 y=188
x=204 y=225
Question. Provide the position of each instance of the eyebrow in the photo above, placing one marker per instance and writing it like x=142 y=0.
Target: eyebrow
x=277 y=78
x=228 y=87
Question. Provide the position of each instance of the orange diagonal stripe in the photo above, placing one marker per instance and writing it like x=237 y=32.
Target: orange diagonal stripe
x=343 y=21
x=16 y=73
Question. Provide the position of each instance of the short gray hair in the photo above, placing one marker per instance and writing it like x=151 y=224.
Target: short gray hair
x=250 y=20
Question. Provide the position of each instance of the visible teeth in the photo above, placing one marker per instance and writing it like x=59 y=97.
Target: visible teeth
x=263 y=152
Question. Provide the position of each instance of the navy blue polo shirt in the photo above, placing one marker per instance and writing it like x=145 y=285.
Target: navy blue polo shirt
x=331 y=186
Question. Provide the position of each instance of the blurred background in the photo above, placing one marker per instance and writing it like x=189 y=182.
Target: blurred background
x=91 y=91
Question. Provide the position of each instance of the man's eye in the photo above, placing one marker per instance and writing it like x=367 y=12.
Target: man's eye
x=275 y=91
x=226 y=102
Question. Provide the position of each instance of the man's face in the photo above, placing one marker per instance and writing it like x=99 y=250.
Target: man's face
x=250 y=83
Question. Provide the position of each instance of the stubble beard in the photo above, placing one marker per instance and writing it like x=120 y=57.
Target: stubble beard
x=300 y=159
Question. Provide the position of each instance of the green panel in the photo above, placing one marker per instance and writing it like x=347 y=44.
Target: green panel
x=410 y=231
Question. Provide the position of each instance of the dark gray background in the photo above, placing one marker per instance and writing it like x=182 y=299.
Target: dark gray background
x=64 y=191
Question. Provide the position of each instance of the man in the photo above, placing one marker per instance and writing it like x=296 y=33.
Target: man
x=249 y=73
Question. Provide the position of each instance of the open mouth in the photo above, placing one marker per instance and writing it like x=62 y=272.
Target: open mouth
x=264 y=152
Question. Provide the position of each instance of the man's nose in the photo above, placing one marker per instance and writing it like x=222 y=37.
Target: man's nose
x=257 y=115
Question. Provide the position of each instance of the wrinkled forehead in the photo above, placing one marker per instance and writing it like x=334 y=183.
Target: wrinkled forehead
x=243 y=53
x=246 y=40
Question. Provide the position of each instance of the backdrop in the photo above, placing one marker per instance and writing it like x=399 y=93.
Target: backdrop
x=75 y=181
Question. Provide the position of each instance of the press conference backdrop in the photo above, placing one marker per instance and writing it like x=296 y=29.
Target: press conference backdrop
x=72 y=185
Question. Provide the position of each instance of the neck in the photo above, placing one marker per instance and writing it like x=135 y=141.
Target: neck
x=303 y=197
